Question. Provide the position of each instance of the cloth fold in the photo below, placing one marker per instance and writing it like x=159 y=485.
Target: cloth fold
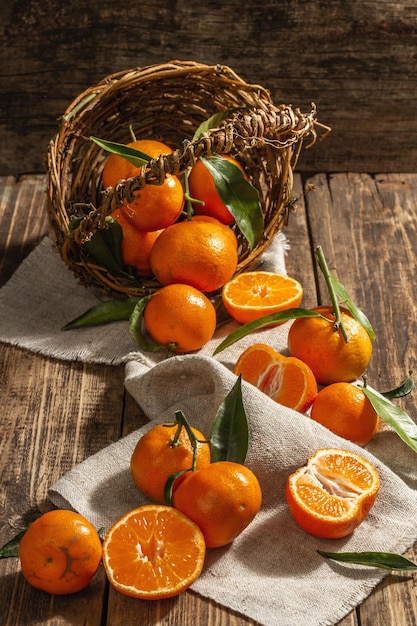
x=271 y=573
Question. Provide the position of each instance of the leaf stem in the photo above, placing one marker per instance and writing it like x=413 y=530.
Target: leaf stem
x=338 y=323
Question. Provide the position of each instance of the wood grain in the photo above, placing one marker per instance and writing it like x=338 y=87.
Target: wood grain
x=355 y=60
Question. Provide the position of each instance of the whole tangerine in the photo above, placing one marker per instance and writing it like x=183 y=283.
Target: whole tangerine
x=136 y=244
x=315 y=341
x=195 y=252
x=203 y=187
x=156 y=205
x=222 y=499
x=60 y=552
x=162 y=451
x=180 y=317
x=344 y=409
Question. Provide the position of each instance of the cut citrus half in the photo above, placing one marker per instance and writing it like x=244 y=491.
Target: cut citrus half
x=286 y=380
x=251 y=295
x=333 y=493
x=153 y=552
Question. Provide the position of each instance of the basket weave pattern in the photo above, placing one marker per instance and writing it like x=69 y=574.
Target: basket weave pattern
x=168 y=102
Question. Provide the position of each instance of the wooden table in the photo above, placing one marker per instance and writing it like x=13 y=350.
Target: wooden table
x=55 y=414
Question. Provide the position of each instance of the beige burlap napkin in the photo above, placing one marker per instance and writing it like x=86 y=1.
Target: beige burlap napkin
x=272 y=573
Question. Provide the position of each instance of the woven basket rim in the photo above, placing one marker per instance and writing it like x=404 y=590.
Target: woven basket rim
x=261 y=127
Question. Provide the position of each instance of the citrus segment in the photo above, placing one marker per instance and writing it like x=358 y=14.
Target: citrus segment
x=199 y=253
x=333 y=493
x=180 y=317
x=161 y=452
x=251 y=295
x=153 y=552
x=222 y=498
x=315 y=341
x=286 y=380
x=60 y=552
x=344 y=409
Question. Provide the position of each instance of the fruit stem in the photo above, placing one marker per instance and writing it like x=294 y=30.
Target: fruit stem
x=183 y=422
x=338 y=323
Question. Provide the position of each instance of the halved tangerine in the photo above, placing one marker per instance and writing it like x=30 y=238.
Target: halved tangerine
x=251 y=295
x=333 y=493
x=286 y=380
x=153 y=552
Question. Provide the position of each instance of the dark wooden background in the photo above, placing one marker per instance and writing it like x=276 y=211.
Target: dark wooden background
x=356 y=59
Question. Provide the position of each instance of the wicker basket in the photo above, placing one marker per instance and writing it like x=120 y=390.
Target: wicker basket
x=168 y=102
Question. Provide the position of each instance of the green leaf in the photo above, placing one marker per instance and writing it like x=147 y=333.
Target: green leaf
x=103 y=313
x=263 y=322
x=105 y=246
x=403 y=389
x=352 y=308
x=338 y=292
x=136 y=157
x=240 y=197
x=230 y=432
x=395 y=417
x=135 y=325
x=11 y=548
x=383 y=560
x=214 y=121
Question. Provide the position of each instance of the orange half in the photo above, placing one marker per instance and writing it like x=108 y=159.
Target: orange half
x=333 y=493
x=153 y=552
x=251 y=295
x=286 y=380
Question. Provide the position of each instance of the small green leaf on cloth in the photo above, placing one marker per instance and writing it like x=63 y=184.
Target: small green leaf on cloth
x=104 y=313
x=239 y=196
x=230 y=432
x=383 y=560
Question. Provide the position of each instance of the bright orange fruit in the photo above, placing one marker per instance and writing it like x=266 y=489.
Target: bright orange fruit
x=180 y=317
x=344 y=409
x=333 y=493
x=155 y=206
x=222 y=498
x=202 y=187
x=315 y=341
x=153 y=552
x=60 y=552
x=136 y=244
x=251 y=295
x=286 y=380
x=199 y=253
x=161 y=452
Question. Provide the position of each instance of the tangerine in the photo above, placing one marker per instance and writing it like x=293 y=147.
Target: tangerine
x=180 y=317
x=203 y=187
x=252 y=295
x=155 y=206
x=222 y=499
x=315 y=341
x=161 y=452
x=333 y=493
x=60 y=552
x=199 y=253
x=153 y=552
x=344 y=409
x=286 y=380
x=136 y=244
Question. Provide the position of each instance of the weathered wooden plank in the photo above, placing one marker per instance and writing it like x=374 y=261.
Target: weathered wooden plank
x=353 y=59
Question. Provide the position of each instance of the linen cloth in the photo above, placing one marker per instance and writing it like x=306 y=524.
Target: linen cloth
x=272 y=573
